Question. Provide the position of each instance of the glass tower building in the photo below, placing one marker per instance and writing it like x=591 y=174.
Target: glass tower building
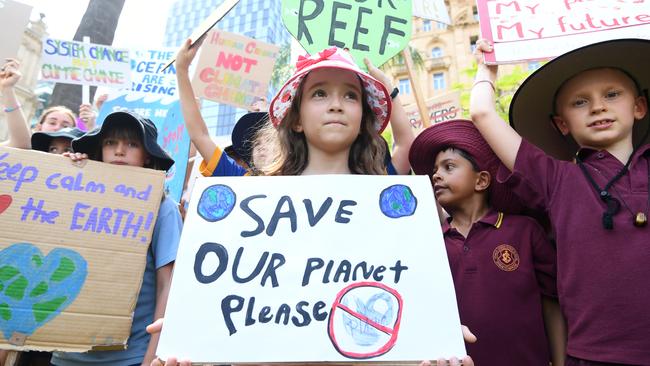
x=259 y=19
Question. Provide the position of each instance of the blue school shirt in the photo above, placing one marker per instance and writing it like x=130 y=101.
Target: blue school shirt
x=162 y=251
x=221 y=165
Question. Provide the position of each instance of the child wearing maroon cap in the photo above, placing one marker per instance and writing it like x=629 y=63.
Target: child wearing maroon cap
x=587 y=106
x=502 y=264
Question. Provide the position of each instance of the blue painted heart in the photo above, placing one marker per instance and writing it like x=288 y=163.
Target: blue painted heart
x=35 y=289
x=5 y=202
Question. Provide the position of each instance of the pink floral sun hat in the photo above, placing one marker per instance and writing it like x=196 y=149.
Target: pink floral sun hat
x=377 y=96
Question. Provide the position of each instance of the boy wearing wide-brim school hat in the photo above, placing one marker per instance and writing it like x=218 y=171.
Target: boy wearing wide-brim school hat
x=128 y=139
x=56 y=142
x=589 y=106
x=502 y=264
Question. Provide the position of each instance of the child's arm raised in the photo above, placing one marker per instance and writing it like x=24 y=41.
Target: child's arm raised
x=502 y=138
x=19 y=134
x=402 y=131
x=194 y=122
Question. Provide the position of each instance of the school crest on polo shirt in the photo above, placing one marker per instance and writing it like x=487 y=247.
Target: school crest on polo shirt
x=506 y=257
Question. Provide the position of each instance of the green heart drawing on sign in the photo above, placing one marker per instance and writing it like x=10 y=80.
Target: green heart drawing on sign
x=376 y=29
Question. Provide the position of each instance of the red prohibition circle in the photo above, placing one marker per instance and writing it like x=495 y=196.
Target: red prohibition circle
x=392 y=332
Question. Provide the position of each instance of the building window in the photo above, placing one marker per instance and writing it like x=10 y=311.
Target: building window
x=472 y=43
x=475 y=13
x=405 y=86
x=426 y=25
x=441 y=25
x=439 y=81
x=436 y=52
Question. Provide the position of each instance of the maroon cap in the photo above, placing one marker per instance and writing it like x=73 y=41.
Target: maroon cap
x=462 y=134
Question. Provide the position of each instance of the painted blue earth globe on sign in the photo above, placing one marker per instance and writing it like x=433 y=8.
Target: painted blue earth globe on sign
x=397 y=201
x=216 y=202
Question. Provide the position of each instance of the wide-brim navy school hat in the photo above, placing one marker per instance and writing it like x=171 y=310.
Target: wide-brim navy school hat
x=532 y=105
x=243 y=134
x=89 y=142
x=41 y=140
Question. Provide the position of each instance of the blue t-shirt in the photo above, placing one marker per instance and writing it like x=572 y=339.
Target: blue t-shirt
x=162 y=251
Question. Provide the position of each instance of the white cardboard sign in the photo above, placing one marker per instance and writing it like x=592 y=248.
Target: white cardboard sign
x=533 y=29
x=325 y=268
x=73 y=62
x=431 y=9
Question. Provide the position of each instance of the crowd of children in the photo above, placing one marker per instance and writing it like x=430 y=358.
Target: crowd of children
x=576 y=157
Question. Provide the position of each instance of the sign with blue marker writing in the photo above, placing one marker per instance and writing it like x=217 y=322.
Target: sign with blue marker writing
x=147 y=74
x=73 y=62
x=165 y=113
x=377 y=30
x=331 y=268
x=73 y=246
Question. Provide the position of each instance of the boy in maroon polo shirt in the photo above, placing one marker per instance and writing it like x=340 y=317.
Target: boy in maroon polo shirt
x=598 y=204
x=503 y=265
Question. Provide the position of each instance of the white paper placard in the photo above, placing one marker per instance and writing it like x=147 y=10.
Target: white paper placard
x=431 y=9
x=300 y=246
x=80 y=63
x=531 y=29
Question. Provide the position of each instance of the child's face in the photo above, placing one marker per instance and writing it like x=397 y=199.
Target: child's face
x=56 y=121
x=59 y=145
x=330 y=109
x=454 y=179
x=124 y=152
x=598 y=108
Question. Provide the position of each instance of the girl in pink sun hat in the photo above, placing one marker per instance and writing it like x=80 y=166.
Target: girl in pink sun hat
x=326 y=119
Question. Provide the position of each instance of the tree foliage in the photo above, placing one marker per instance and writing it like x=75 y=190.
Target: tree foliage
x=99 y=23
x=507 y=85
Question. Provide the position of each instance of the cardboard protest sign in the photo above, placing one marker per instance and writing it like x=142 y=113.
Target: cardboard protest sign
x=441 y=108
x=234 y=69
x=165 y=113
x=377 y=30
x=530 y=29
x=209 y=22
x=80 y=63
x=322 y=268
x=13 y=17
x=147 y=75
x=431 y=9
x=73 y=246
